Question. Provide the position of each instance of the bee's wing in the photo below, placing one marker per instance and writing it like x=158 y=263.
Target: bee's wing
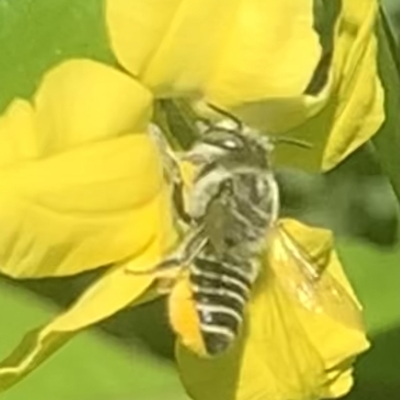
x=310 y=283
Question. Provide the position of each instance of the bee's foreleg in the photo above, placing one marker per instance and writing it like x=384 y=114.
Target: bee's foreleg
x=179 y=202
x=172 y=171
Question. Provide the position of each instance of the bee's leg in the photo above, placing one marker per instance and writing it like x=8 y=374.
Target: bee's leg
x=192 y=244
x=167 y=271
x=179 y=203
x=172 y=172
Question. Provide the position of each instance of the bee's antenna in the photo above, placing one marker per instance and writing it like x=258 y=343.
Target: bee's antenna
x=295 y=142
x=228 y=115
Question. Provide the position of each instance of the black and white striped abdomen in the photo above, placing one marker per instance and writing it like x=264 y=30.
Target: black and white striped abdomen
x=221 y=291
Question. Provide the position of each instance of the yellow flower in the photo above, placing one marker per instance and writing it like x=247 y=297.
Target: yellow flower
x=82 y=186
x=257 y=58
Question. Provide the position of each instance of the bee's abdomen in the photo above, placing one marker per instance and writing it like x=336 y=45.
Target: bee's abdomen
x=221 y=291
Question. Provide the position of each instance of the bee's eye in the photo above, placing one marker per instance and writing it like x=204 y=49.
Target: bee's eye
x=230 y=144
x=223 y=139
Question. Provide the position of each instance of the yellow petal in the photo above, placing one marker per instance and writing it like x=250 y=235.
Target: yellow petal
x=81 y=209
x=116 y=289
x=78 y=101
x=360 y=111
x=83 y=101
x=336 y=341
x=285 y=351
x=346 y=112
x=30 y=353
x=172 y=46
x=136 y=28
x=80 y=187
x=224 y=50
x=271 y=51
x=17 y=133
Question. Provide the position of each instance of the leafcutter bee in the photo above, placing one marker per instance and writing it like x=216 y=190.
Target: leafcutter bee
x=231 y=208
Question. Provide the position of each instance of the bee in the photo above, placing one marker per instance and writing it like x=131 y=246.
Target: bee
x=231 y=208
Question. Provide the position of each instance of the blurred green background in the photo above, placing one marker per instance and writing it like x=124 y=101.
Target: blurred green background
x=130 y=356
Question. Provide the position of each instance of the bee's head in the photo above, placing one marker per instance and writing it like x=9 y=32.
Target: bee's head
x=227 y=142
x=230 y=142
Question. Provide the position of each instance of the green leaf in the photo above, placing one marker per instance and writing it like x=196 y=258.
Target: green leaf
x=387 y=141
x=374 y=274
x=92 y=366
x=377 y=372
x=35 y=35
